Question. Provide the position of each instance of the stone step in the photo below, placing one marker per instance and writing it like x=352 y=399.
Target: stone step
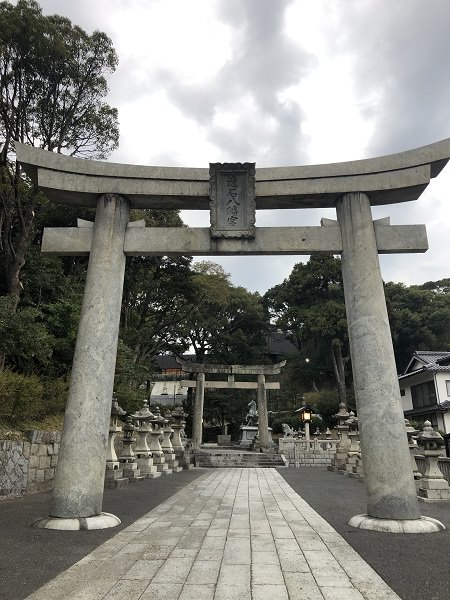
x=239 y=460
x=153 y=475
x=119 y=483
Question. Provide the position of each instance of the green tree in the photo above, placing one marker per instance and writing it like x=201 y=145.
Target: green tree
x=310 y=303
x=52 y=87
x=157 y=300
x=419 y=317
x=227 y=323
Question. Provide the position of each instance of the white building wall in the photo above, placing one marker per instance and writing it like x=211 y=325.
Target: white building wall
x=441 y=386
x=405 y=384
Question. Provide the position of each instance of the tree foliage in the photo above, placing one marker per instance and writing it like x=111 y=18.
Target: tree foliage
x=53 y=82
x=419 y=317
x=226 y=322
x=310 y=304
x=52 y=90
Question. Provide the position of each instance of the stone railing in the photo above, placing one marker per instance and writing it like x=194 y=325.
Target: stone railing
x=28 y=466
x=307 y=453
x=443 y=464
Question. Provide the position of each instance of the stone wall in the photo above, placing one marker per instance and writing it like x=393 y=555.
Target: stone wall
x=28 y=466
x=312 y=453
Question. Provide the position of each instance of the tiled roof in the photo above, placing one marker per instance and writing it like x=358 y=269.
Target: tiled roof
x=431 y=361
x=436 y=408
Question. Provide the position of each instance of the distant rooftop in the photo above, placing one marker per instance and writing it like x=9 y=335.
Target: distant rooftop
x=427 y=360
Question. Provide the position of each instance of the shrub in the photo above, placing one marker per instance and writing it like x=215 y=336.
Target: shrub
x=54 y=396
x=21 y=396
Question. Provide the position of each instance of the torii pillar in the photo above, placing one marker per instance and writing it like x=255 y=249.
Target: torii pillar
x=79 y=478
x=197 y=418
x=390 y=487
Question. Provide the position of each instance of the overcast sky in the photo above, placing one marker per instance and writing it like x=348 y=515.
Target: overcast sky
x=283 y=82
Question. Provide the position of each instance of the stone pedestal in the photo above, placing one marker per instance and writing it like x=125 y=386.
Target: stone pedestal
x=184 y=460
x=132 y=472
x=114 y=478
x=247 y=435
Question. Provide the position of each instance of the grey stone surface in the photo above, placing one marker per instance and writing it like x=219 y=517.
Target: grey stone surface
x=196 y=241
x=100 y=521
x=391 y=492
x=263 y=422
x=396 y=178
x=422 y=525
x=28 y=467
x=78 y=489
x=197 y=419
x=191 y=367
x=255 y=554
x=232 y=193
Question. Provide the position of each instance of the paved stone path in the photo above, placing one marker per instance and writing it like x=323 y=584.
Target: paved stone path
x=231 y=533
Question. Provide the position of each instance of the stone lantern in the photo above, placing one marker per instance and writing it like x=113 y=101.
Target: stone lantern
x=412 y=444
x=128 y=457
x=114 y=473
x=157 y=423
x=353 y=447
x=167 y=431
x=112 y=461
x=433 y=486
x=353 y=434
x=340 y=456
x=167 y=447
x=178 y=421
x=143 y=453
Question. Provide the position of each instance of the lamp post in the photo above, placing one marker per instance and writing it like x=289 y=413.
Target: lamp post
x=306 y=415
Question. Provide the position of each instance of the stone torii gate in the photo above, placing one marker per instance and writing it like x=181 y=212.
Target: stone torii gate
x=232 y=192
x=200 y=384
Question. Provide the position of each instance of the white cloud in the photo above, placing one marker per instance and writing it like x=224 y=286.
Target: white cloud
x=279 y=83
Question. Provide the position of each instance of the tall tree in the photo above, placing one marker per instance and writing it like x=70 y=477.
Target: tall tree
x=227 y=323
x=157 y=299
x=52 y=89
x=52 y=86
x=310 y=303
x=419 y=317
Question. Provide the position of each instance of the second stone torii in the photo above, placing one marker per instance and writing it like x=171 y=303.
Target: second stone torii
x=231 y=370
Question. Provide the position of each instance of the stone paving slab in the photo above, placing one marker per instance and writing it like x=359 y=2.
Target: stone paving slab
x=231 y=533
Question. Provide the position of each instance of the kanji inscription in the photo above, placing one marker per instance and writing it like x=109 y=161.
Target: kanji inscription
x=232 y=205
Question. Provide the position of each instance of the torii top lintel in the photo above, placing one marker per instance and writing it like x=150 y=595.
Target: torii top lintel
x=191 y=367
x=386 y=180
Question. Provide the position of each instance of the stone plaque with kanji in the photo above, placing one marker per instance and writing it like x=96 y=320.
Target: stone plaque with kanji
x=232 y=200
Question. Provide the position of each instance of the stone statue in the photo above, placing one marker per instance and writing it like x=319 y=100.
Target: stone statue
x=288 y=431
x=252 y=414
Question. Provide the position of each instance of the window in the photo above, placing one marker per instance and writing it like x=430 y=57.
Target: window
x=447 y=383
x=402 y=392
x=423 y=395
